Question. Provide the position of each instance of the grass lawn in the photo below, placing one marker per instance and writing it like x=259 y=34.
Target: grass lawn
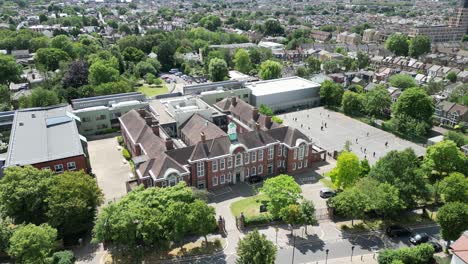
x=249 y=206
x=152 y=91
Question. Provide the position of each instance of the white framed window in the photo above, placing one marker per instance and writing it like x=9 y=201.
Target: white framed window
x=254 y=156
x=295 y=154
x=215 y=180
x=229 y=177
x=247 y=172
x=58 y=168
x=301 y=151
x=271 y=151
x=172 y=181
x=246 y=158
x=46 y=168
x=163 y=184
x=306 y=151
x=305 y=163
x=229 y=162
x=280 y=150
x=200 y=169
x=285 y=151
x=294 y=166
x=222 y=164
x=71 y=165
x=238 y=159
x=260 y=155
x=254 y=171
x=214 y=165
x=179 y=179
x=260 y=169
x=300 y=165
x=222 y=179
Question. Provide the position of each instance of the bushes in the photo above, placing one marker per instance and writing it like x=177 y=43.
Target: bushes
x=126 y=154
x=277 y=120
x=421 y=254
x=258 y=219
x=120 y=140
x=63 y=257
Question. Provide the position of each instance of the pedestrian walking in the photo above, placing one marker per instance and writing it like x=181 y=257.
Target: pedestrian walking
x=386 y=144
x=365 y=150
x=374 y=154
x=321 y=128
x=361 y=149
x=325 y=125
x=356 y=140
x=367 y=133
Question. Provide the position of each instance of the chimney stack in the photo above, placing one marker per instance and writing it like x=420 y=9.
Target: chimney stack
x=155 y=128
x=234 y=101
x=142 y=112
x=203 y=137
x=268 y=122
x=149 y=120
x=169 y=144
x=255 y=113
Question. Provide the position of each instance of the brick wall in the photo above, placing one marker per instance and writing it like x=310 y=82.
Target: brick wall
x=80 y=162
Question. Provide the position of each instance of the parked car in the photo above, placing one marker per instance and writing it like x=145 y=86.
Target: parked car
x=255 y=179
x=178 y=74
x=174 y=70
x=327 y=193
x=437 y=247
x=419 y=238
x=397 y=231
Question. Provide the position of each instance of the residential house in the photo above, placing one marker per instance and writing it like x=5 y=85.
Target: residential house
x=459 y=250
x=451 y=114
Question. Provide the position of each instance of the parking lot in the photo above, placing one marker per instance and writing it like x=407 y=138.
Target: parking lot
x=330 y=130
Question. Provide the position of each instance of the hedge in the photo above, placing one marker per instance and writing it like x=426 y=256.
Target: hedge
x=258 y=219
x=421 y=254
x=126 y=154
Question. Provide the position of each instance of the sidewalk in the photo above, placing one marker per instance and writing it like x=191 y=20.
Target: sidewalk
x=366 y=259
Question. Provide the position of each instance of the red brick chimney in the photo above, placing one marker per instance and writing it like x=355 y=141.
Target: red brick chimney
x=234 y=101
x=155 y=128
x=268 y=122
x=142 y=112
x=255 y=113
x=169 y=144
x=203 y=137
x=137 y=150
x=149 y=120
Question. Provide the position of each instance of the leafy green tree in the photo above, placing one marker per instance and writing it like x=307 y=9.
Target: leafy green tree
x=6 y=231
x=332 y=66
x=459 y=94
x=272 y=27
x=347 y=171
x=5 y=98
x=453 y=220
x=143 y=68
x=39 y=97
x=444 y=158
x=456 y=137
x=255 y=248
x=165 y=52
x=402 y=81
x=313 y=64
x=401 y=169
x=210 y=22
x=433 y=87
x=351 y=203
x=307 y=210
x=72 y=201
x=454 y=188
x=302 y=72
x=415 y=103
x=292 y=215
x=363 y=60
x=419 y=45
x=331 y=93
x=266 y=110
x=259 y=55
x=452 y=77
x=349 y=64
x=385 y=200
x=352 y=103
x=398 y=44
x=282 y=191
x=420 y=254
x=10 y=71
x=112 y=88
x=63 y=257
x=270 y=70
x=32 y=244
x=377 y=102
x=50 y=58
x=77 y=74
x=64 y=43
x=365 y=167
x=202 y=219
x=100 y=72
x=242 y=61
x=218 y=69
x=133 y=54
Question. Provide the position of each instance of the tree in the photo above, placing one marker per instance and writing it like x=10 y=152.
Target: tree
x=453 y=220
x=39 y=97
x=10 y=71
x=402 y=81
x=349 y=64
x=420 y=254
x=454 y=188
x=39 y=42
x=165 y=52
x=76 y=75
x=332 y=66
x=143 y=68
x=50 y=58
x=5 y=98
x=347 y=171
x=255 y=248
x=270 y=70
x=401 y=169
x=444 y=158
x=415 y=103
x=460 y=94
x=202 y=219
x=398 y=44
x=385 y=200
x=352 y=103
x=259 y=55
x=363 y=60
x=265 y=109
x=133 y=54
x=6 y=231
x=210 y=22
x=32 y=244
x=282 y=191
x=313 y=64
x=419 y=45
x=100 y=72
x=218 y=69
x=242 y=61
x=351 y=202
x=292 y=215
x=456 y=137
x=272 y=27
x=72 y=201
x=302 y=72
x=377 y=102
x=64 y=43
x=331 y=93
x=433 y=87
x=452 y=77
x=307 y=209
x=365 y=167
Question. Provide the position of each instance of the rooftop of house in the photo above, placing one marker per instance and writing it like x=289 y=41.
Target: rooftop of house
x=197 y=125
x=282 y=85
x=460 y=247
x=43 y=134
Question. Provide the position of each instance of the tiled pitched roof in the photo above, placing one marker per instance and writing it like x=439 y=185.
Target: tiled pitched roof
x=287 y=135
x=197 y=125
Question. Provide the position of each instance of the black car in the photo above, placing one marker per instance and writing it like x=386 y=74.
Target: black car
x=255 y=179
x=419 y=238
x=327 y=193
x=397 y=231
x=437 y=247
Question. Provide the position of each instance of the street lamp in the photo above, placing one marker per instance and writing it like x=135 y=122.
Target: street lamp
x=352 y=251
x=326 y=256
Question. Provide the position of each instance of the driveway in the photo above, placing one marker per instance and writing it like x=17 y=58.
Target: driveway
x=111 y=169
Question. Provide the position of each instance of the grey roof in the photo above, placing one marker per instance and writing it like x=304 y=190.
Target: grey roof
x=197 y=125
x=43 y=134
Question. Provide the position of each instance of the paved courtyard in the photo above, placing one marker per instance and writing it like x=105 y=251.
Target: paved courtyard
x=109 y=166
x=337 y=128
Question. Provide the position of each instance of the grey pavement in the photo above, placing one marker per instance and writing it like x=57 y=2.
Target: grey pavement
x=111 y=169
x=340 y=128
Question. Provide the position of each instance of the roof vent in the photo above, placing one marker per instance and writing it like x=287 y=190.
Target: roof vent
x=33 y=115
x=21 y=124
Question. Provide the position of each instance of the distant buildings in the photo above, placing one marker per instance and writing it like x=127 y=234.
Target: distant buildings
x=451 y=114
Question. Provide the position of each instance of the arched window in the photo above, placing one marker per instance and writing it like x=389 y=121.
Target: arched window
x=238 y=159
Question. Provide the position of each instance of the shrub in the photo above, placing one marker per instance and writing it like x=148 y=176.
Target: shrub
x=126 y=154
x=63 y=257
x=120 y=140
x=421 y=254
x=277 y=120
x=258 y=219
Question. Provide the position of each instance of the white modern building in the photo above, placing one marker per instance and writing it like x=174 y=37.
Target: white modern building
x=285 y=93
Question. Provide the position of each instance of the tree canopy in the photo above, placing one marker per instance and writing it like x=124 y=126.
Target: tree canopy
x=454 y=188
x=398 y=44
x=377 y=102
x=282 y=191
x=242 y=61
x=331 y=93
x=347 y=171
x=32 y=244
x=444 y=158
x=218 y=69
x=10 y=71
x=352 y=103
x=419 y=45
x=402 y=81
x=270 y=70
x=453 y=220
x=255 y=248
